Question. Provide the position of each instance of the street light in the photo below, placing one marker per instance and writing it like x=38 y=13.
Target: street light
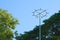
x=39 y=13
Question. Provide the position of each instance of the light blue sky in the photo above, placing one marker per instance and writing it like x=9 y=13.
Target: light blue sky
x=22 y=10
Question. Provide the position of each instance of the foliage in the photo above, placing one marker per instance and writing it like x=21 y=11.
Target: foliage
x=50 y=30
x=7 y=23
x=31 y=35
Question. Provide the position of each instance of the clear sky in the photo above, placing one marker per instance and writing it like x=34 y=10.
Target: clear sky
x=22 y=10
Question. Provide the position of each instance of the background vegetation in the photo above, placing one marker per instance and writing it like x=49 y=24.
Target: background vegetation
x=50 y=30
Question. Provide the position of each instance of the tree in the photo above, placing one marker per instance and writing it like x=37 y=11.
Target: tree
x=7 y=23
x=50 y=30
x=31 y=35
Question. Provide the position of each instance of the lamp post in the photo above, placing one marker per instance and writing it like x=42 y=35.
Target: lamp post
x=39 y=13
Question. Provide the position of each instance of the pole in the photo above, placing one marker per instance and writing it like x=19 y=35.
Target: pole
x=39 y=28
x=39 y=15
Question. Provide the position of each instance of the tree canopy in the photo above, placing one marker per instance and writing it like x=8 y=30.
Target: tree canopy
x=7 y=23
x=50 y=30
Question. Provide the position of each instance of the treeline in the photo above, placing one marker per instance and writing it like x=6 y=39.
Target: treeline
x=50 y=30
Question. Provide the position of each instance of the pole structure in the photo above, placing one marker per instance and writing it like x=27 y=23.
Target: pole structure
x=39 y=13
x=39 y=28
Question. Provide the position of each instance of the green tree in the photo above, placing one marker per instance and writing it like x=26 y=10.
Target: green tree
x=31 y=35
x=7 y=23
x=50 y=30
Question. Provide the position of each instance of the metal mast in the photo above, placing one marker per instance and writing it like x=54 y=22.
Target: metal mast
x=39 y=13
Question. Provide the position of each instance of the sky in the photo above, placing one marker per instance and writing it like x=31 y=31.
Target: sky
x=22 y=10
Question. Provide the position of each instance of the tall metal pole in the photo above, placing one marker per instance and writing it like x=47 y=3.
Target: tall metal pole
x=39 y=28
x=40 y=14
